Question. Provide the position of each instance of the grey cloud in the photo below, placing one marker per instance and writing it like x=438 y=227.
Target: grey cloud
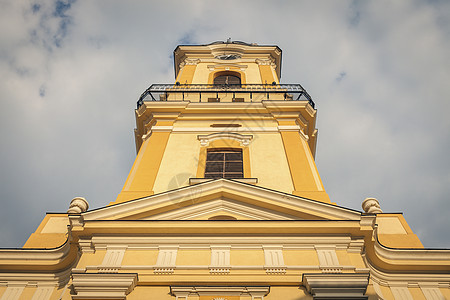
x=66 y=127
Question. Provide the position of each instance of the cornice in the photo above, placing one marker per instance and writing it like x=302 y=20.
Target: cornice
x=57 y=259
x=411 y=278
x=290 y=204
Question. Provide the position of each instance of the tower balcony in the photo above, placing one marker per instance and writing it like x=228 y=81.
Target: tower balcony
x=225 y=93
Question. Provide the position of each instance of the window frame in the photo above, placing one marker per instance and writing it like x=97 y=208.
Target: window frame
x=223 y=164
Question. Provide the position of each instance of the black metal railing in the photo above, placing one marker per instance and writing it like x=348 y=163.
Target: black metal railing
x=184 y=92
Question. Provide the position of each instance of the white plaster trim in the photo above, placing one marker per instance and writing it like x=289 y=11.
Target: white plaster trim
x=103 y=286
x=303 y=268
x=238 y=242
x=228 y=205
x=244 y=140
x=193 y=181
x=165 y=263
x=336 y=286
x=431 y=292
x=220 y=260
x=289 y=127
x=378 y=291
x=328 y=261
x=43 y=293
x=401 y=293
x=183 y=291
x=162 y=128
x=232 y=187
x=273 y=259
x=227 y=65
x=13 y=292
x=113 y=259
x=40 y=279
x=224 y=129
x=35 y=254
x=389 y=279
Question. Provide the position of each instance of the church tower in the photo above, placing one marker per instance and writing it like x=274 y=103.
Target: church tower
x=227 y=116
x=224 y=202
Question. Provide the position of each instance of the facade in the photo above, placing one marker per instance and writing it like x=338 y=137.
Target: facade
x=224 y=202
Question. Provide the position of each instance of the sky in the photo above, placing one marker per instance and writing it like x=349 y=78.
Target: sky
x=72 y=71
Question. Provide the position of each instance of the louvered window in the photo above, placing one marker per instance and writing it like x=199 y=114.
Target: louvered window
x=227 y=80
x=224 y=163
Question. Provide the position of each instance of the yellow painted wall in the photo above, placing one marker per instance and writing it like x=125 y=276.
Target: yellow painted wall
x=201 y=74
x=394 y=232
x=141 y=179
x=247 y=257
x=27 y=293
x=268 y=162
x=252 y=74
x=417 y=294
x=51 y=233
x=61 y=293
x=300 y=257
x=193 y=257
x=356 y=260
x=179 y=162
x=445 y=293
x=287 y=293
x=139 y=257
x=186 y=74
x=150 y=293
x=266 y=74
x=91 y=259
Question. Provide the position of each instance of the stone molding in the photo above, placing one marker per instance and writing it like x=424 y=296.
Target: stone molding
x=302 y=204
x=371 y=206
x=220 y=260
x=189 y=62
x=78 y=205
x=113 y=259
x=336 y=286
x=244 y=140
x=273 y=259
x=103 y=286
x=266 y=62
x=165 y=263
x=256 y=292
x=194 y=180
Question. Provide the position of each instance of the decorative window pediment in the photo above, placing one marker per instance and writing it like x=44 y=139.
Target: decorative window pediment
x=244 y=140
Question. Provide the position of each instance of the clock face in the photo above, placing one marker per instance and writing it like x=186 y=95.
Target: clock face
x=228 y=56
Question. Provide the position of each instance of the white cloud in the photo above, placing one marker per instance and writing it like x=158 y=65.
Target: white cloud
x=71 y=76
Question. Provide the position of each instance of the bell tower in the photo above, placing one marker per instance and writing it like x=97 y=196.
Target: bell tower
x=226 y=116
x=224 y=202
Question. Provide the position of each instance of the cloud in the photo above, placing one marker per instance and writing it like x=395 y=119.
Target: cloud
x=73 y=70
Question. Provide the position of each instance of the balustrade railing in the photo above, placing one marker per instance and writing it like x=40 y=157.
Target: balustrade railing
x=252 y=92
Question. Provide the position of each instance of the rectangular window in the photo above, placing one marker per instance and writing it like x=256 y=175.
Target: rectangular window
x=213 y=99
x=224 y=163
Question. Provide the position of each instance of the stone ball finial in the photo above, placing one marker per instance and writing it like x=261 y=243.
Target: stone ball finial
x=371 y=206
x=78 y=205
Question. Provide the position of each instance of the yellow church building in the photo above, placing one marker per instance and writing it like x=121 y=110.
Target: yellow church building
x=224 y=202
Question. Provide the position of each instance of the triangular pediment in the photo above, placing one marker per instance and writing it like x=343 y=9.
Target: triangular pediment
x=222 y=198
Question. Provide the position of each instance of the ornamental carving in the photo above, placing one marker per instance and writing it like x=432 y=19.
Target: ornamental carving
x=78 y=205
x=189 y=62
x=244 y=140
x=266 y=62
x=371 y=206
